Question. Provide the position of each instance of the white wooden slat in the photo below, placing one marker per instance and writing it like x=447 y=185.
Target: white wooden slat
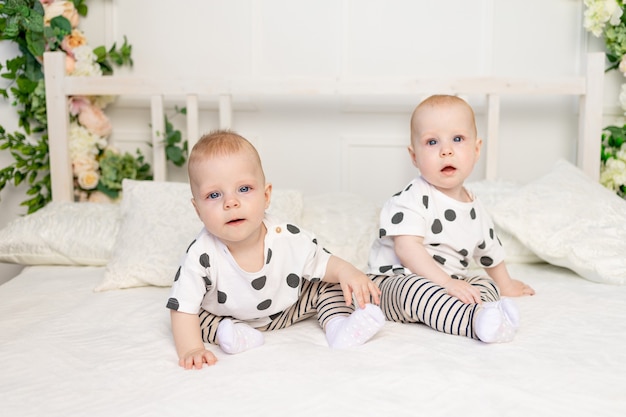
x=590 y=118
x=157 y=112
x=58 y=129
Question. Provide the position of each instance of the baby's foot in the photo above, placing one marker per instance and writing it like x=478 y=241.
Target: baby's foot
x=497 y=322
x=237 y=337
x=355 y=329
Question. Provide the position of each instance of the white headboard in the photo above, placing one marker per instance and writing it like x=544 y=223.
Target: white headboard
x=588 y=88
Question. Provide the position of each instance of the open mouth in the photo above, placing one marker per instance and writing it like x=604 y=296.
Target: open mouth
x=448 y=169
x=235 y=221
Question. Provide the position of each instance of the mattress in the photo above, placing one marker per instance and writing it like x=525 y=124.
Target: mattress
x=66 y=350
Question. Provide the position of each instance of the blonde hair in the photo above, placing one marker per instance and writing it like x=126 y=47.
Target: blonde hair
x=221 y=142
x=441 y=100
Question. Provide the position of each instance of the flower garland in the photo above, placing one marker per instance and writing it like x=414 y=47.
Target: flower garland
x=606 y=18
x=52 y=25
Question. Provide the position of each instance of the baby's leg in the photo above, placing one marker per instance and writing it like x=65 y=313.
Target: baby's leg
x=345 y=327
x=232 y=336
x=488 y=289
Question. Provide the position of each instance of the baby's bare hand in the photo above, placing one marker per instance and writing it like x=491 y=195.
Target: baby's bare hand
x=195 y=359
x=463 y=290
x=362 y=289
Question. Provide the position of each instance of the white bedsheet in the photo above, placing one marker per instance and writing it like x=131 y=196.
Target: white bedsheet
x=67 y=351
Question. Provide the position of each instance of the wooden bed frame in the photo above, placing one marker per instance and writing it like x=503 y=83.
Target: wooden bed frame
x=588 y=88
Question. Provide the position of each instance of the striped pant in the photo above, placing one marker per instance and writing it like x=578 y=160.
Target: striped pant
x=414 y=299
x=321 y=298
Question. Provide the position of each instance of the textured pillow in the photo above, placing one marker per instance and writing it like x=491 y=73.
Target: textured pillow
x=62 y=233
x=343 y=223
x=570 y=221
x=158 y=224
x=490 y=193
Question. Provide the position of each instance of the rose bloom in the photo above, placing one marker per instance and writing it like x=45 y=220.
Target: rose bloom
x=83 y=163
x=95 y=121
x=99 y=197
x=86 y=64
x=61 y=8
x=83 y=142
x=73 y=40
x=88 y=180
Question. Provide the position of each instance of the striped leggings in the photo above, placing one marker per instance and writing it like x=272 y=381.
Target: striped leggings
x=414 y=299
x=321 y=298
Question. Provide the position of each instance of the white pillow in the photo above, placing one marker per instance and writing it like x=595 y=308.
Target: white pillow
x=570 y=221
x=62 y=233
x=158 y=224
x=490 y=193
x=343 y=223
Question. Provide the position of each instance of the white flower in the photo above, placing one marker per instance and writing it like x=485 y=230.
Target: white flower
x=622 y=98
x=83 y=142
x=599 y=12
x=85 y=62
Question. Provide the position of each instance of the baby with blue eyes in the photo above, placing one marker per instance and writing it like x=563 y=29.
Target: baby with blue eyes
x=247 y=272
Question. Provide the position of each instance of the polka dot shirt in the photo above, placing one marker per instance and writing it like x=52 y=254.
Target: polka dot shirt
x=209 y=277
x=454 y=232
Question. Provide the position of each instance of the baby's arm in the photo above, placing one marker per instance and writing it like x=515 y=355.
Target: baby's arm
x=189 y=345
x=413 y=255
x=352 y=281
x=508 y=286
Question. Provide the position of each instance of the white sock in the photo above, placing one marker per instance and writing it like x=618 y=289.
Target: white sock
x=497 y=322
x=237 y=337
x=357 y=328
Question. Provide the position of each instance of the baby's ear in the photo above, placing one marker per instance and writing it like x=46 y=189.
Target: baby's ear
x=268 y=195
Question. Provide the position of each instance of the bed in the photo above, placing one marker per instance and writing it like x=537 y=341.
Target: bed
x=84 y=328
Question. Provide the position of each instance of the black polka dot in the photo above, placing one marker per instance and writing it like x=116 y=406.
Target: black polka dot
x=259 y=283
x=397 y=218
x=293 y=280
x=221 y=297
x=382 y=233
x=425 y=201
x=190 y=245
x=315 y=279
x=385 y=268
x=269 y=256
x=439 y=259
x=473 y=214
x=491 y=233
x=399 y=270
x=482 y=245
x=264 y=305
x=172 y=304
x=486 y=261
x=437 y=227
x=293 y=229
x=207 y=281
x=315 y=240
x=464 y=263
x=204 y=260
x=450 y=215
x=397 y=194
x=455 y=276
x=463 y=252
x=177 y=275
x=408 y=187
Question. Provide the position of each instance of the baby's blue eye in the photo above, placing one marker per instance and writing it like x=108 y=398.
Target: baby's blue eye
x=457 y=139
x=431 y=142
x=244 y=189
x=214 y=195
